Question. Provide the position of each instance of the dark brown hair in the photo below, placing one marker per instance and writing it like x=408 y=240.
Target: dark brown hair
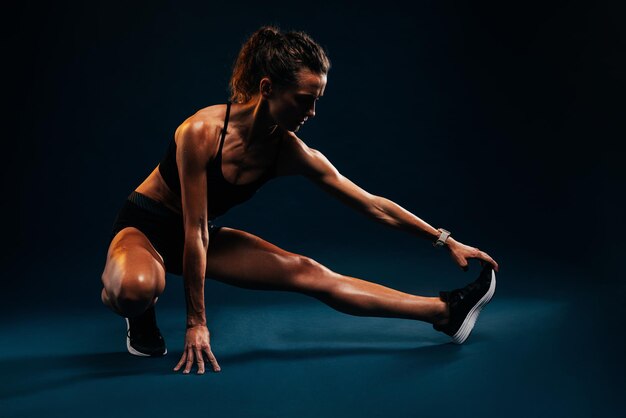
x=279 y=56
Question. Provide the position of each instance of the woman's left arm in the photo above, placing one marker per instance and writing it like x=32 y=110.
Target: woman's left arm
x=315 y=166
x=392 y=214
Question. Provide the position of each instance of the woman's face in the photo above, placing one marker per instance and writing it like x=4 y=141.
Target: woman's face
x=291 y=106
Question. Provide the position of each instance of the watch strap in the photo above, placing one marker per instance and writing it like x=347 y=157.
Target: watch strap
x=442 y=238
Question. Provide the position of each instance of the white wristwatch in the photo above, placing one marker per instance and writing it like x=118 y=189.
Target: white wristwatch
x=442 y=238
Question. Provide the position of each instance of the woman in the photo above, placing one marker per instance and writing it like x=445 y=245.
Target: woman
x=218 y=158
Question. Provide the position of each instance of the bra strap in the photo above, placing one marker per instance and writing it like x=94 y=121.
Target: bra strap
x=219 y=152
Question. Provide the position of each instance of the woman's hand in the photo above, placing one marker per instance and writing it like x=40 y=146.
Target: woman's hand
x=197 y=343
x=460 y=253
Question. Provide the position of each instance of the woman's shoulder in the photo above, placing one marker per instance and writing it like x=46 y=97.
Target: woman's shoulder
x=206 y=120
x=202 y=130
x=210 y=116
x=293 y=142
x=215 y=112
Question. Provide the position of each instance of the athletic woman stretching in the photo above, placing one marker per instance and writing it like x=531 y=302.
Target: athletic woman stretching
x=218 y=158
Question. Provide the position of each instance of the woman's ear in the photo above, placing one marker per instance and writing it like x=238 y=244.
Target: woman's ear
x=265 y=87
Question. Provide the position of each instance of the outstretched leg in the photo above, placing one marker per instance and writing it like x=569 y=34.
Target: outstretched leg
x=242 y=259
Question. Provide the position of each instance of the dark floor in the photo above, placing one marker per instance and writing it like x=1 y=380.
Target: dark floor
x=555 y=354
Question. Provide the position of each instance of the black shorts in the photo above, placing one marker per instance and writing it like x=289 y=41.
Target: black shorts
x=163 y=227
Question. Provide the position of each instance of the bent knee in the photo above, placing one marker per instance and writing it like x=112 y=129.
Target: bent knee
x=135 y=292
x=138 y=287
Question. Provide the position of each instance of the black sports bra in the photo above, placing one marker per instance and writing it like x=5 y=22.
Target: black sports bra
x=221 y=195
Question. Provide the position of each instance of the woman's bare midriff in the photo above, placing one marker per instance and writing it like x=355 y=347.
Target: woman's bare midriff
x=155 y=188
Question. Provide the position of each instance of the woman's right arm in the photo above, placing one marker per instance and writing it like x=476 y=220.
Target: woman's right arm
x=194 y=146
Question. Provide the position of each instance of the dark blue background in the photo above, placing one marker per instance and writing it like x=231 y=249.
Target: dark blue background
x=499 y=121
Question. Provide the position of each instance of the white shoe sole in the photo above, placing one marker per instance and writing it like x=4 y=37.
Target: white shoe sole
x=468 y=324
x=130 y=349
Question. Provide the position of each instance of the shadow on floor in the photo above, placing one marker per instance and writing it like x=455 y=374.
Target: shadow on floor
x=23 y=376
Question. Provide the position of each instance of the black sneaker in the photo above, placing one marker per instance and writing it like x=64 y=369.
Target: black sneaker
x=143 y=337
x=465 y=305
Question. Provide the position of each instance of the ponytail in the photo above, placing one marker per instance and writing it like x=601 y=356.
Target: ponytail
x=270 y=53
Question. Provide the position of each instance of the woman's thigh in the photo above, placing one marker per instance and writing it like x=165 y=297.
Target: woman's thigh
x=245 y=260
